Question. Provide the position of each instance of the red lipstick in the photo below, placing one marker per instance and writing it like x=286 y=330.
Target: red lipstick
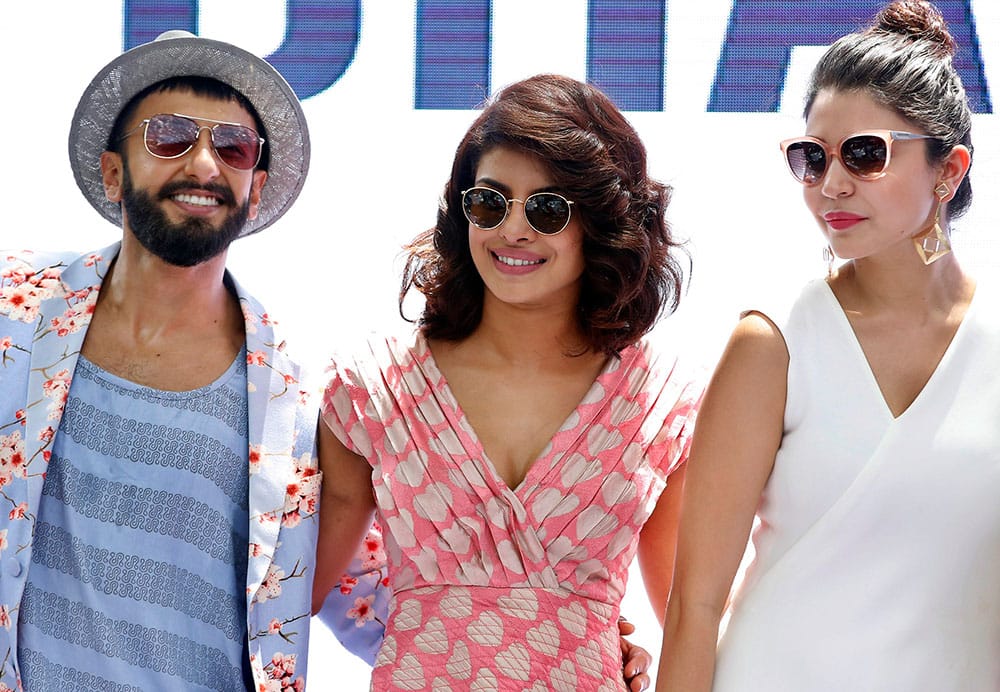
x=842 y=220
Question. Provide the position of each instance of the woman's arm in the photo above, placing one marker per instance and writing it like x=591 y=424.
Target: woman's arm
x=345 y=511
x=658 y=543
x=657 y=546
x=736 y=437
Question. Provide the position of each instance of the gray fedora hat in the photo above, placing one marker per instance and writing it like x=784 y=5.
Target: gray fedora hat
x=182 y=54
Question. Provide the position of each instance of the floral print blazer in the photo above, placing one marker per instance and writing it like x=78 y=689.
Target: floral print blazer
x=46 y=302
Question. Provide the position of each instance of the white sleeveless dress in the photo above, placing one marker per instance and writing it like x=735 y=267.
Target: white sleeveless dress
x=877 y=563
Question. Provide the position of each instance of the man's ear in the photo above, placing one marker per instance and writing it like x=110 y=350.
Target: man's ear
x=259 y=178
x=112 y=175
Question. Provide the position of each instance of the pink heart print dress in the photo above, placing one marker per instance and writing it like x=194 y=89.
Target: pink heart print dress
x=496 y=588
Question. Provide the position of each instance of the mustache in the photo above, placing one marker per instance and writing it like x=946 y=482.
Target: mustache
x=223 y=192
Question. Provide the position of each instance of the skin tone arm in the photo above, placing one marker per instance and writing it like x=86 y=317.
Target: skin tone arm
x=657 y=547
x=658 y=543
x=346 y=510
x=736 y=438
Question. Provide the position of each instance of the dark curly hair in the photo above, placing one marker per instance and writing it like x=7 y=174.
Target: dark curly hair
x=904 y=61
x=594 y=156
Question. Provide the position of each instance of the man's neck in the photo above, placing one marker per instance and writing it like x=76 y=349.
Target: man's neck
x=149 y=293
x=166 y=327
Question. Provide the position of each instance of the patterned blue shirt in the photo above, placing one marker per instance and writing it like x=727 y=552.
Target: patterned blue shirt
x=138 y=574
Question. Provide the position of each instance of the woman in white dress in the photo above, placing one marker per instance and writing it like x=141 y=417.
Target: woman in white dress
x=862 y=428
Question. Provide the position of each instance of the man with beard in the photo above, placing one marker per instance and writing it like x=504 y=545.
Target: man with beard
x=156 y=450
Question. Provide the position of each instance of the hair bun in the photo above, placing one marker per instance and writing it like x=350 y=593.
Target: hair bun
x=917 y=19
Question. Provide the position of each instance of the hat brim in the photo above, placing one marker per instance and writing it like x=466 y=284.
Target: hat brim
x=188 y=55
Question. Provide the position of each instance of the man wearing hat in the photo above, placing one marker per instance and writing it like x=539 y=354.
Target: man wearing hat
x=157 y=472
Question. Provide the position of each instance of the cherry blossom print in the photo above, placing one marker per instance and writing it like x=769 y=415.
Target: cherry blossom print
x=5 y=617
x=249 y=319
x=254 y=457
x=56 y=388
x=368 y=571
x=20 y=511
x=271 y=586
x=12 y=457
x=20 y=302
x=281 y=674
x=259 y=358
x=23 y=290
x=372 y=551
x=78 y=315
x=347 y=584
x=362 y=612
x=302 y=494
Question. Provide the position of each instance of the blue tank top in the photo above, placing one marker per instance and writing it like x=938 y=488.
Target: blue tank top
x=138 y=570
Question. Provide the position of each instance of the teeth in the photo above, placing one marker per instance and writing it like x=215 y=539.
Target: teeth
x=198 y=200
x=512 y=262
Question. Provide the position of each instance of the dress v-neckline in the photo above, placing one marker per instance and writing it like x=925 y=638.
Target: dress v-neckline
x=859 y=351
x=541 y=463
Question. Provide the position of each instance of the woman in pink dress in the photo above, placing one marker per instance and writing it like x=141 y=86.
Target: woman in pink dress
x=516 y=449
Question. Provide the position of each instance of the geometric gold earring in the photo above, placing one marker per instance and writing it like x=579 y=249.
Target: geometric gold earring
x=933 y=244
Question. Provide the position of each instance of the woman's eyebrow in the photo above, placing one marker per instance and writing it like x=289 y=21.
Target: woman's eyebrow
x=500 y=187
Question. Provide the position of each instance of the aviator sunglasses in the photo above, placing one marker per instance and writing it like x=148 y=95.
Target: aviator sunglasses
x=171 y=135
x=546 y=212
x=865 y=155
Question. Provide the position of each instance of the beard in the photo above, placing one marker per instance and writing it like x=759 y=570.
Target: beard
x=188 y=242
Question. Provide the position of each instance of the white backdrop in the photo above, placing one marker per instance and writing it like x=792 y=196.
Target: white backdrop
x=330 y=268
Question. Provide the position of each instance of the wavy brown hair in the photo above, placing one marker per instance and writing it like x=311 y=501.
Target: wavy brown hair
x=595 y=158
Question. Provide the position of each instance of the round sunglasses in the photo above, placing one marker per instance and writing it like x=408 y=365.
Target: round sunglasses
x=865 y=155
x=546 y=212
x=171 y=135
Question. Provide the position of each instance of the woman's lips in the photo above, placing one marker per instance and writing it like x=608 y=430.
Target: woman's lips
x=840 y=220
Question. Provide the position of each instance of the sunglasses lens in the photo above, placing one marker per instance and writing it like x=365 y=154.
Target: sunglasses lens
x=865 y=155
x=547 y=213
x=806 y=160
x=237 y=146
x=168 y=136
x=484 y=208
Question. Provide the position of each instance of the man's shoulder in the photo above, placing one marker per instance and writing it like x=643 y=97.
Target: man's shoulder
x=33 y=261
x=26 y=279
